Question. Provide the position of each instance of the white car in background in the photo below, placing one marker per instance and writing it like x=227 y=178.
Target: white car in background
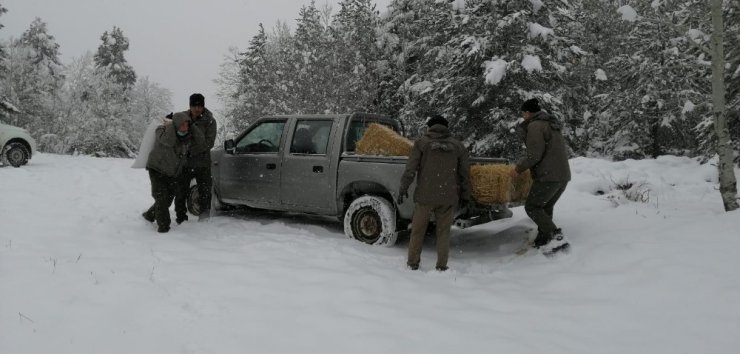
x=16 y=146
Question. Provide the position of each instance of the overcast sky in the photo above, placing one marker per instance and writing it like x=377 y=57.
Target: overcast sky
x=177 y=43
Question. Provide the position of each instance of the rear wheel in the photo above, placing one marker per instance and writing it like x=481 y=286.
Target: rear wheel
x=372 y=220
x=15 y=154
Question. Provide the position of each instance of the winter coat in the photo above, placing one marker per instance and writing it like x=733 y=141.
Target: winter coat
x=200 y=154
x=441 y=162
x=547 y=154
x=170 y=152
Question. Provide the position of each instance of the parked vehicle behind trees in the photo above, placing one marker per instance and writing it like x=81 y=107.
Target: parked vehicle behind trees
x=16 y=145
x=308 y=164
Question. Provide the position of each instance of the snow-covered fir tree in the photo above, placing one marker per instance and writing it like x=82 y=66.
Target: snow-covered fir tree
x=6 y=107
x=311 y=57
x=475 y=62
x=3 y=10
x=732 y=47
x=96 y=113
x=263 y=82
x=33 y=78
x=624 y=82
x=357 y=62
x=149 y=100
x=111 y=57
x=280 y=71
x=228 y=83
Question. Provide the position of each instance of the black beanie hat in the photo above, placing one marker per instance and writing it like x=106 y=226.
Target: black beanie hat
x=197 y=99
x=531 y=105
x=437 y=119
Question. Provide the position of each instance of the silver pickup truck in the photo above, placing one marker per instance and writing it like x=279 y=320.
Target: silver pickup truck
x=307 y=164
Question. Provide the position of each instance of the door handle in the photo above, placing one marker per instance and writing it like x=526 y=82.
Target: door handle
x=318 y=169
x=271 y=166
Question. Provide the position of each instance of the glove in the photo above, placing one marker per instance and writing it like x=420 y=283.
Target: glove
x=402 y=195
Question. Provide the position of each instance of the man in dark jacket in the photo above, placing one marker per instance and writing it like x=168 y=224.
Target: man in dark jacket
x=443 y=181
x=199 y=164
x=547 y=159
x=165 y=164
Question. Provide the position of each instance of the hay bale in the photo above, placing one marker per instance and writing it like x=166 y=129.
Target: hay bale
x=381 y=140
x=521 y=186
x=492 y=184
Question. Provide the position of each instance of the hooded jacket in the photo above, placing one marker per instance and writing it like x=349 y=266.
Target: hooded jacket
x=547 y=154
x=441 y=162
x=170 y=152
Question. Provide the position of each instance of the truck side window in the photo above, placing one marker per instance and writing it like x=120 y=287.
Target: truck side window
x=357 y=130
x=263 y=138
x=311 y=137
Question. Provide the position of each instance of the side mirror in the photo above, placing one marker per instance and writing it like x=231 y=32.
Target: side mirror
x=229 y=146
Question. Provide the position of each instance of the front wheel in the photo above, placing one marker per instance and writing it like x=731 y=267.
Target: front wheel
x=372 y=220
x=192 y=200
x=194 y=196
x=15 y=154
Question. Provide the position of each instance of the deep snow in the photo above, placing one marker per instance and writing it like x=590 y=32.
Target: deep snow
x=82 y=272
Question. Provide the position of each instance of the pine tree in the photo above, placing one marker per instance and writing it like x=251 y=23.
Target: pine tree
x=593 y=37
x=278 y=85
x=732 y=41
x=149 y=101
x=356 y=63
x=99 y=116
x=407 y=35
x=110 y=56
x=229 y=82
x=75 y=109
x=311 y=61
x=45 y=50
x=6 y=107
x=33 y=78
x=658 y=79
x=2 y=49
x=249 y=97
x=475 y=64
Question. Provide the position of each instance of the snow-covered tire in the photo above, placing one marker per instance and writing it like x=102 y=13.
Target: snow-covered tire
x=194 y=208
x=191 y=202
x=15 y=154
x=371 y=219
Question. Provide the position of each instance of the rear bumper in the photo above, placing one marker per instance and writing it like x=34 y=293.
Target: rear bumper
x=481 y=214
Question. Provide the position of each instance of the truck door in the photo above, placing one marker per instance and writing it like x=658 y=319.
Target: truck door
x=251 y=175
x=308 y=181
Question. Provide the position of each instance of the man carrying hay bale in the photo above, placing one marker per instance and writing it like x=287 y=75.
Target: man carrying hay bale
x=547 y=160
x=443 y=180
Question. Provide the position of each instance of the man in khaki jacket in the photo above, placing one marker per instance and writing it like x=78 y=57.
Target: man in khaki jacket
x=443 y=181
x=547 y=159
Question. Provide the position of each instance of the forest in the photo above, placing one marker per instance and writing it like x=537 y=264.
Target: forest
x=629 y=79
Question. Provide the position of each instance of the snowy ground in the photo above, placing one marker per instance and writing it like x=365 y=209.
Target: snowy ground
x=82 y=272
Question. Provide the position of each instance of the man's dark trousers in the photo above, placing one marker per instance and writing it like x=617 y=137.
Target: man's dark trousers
x=541 y=202
x=163 y=191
